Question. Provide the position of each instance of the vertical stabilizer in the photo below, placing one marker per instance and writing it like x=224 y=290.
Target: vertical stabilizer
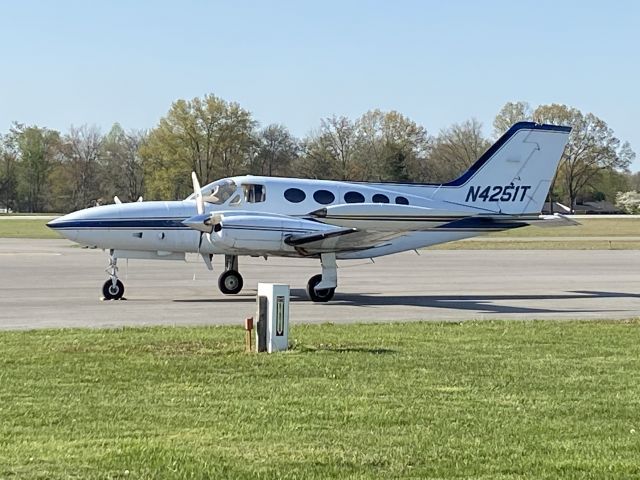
x=514 y=175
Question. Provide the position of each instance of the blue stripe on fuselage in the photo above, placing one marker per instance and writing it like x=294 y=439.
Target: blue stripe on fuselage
x=121 y=223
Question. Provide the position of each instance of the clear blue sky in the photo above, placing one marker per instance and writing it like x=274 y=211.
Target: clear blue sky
x=64 y=63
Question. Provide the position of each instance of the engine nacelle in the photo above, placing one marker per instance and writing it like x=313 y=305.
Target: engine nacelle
x=261 y=232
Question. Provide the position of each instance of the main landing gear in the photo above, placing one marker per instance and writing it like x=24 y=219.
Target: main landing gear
x=321 y=288
x=230 y=282
x=113 y=289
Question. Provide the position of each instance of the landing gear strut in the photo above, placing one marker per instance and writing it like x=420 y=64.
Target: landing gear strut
x=230 y=282
x=321 y=288
x=113 y=289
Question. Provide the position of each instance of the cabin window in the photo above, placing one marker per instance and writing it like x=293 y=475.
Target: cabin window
x=324 y=196
x=380 y=198
x=295 y=195
x=402 y=201
x=353 y=197
x=254 y=193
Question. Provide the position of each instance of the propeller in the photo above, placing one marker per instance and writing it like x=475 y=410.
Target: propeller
x=201 y=217
x=198 y=192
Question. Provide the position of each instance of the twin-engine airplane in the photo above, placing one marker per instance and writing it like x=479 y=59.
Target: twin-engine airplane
x=328 y=220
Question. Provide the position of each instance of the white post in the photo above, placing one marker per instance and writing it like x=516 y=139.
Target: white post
x=277 y=315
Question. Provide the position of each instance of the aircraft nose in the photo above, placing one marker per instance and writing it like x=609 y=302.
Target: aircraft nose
x=64 y=227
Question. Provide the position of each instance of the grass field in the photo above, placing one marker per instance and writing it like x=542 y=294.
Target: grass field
x=489 y=400
x=19 y=228
x=547 y=244
x=589 y=227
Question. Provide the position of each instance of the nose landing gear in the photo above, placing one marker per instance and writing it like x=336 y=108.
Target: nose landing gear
x=113 y=289
x=230 y=282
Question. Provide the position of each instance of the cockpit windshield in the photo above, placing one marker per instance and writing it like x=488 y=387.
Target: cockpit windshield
x=217 y=192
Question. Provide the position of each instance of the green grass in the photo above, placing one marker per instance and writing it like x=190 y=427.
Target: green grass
x=583 y=237
x=18 y=228
x=589 y=227
x=27 y=214
x=488 y=400
x=555 y=244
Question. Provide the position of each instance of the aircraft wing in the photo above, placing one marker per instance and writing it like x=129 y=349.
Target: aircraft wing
x=367 y=225
x=404 y=218
x=385 y=217
x=340 y=240
x=364 y=226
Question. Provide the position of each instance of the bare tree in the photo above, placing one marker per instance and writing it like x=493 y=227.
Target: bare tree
x=592 y=148
x=277 y=150
x=455 y=149
x=122 y=169
x=329 y=152
x=391 y=147
x=510 y=113
x=82 y=149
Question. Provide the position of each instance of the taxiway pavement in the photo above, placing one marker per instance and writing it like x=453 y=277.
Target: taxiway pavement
x=51 y=284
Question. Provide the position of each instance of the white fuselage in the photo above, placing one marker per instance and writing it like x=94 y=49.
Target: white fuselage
x=155 y=229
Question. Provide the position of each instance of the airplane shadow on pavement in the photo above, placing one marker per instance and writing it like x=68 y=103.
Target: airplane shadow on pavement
x=476 y=303
x=479 y=303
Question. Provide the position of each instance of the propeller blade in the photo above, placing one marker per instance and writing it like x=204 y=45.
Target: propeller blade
x=198 y=222
x=207 y=260
x=198 y=191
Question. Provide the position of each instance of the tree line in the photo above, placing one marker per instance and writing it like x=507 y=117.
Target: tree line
x=44 y=170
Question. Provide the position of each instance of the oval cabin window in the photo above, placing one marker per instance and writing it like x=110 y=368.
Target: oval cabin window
x=379 y=198
x=324 y=197
x=353 y=197
x=402 y=201
x=295 y=195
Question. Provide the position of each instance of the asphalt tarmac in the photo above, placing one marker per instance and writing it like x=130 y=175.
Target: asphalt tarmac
x=52 y=283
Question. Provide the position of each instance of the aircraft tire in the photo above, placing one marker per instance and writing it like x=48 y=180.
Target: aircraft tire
x=323 y=295
x=112 y=292
x=230 y=282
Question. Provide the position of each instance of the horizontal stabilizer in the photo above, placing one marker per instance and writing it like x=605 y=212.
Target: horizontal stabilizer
x=552 y=221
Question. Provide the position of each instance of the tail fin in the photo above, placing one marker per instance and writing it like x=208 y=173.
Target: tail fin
x=514 y=175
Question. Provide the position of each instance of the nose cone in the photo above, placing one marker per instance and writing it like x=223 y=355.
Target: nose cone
x=71 y=225
x=201 y=223
x=65 y=226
